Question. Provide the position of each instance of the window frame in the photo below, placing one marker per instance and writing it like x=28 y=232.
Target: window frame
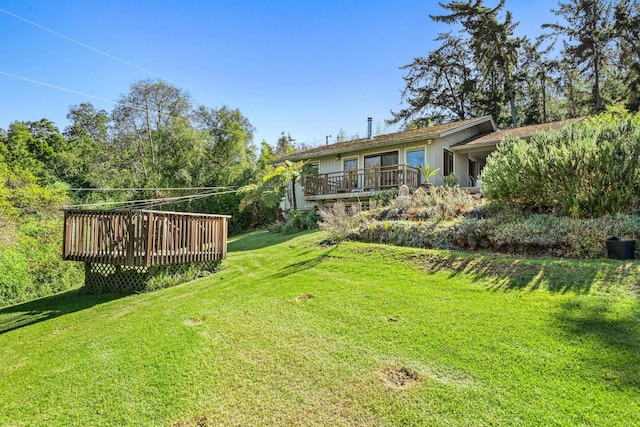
x=424 y=158
x=382 y=154
x=349 y=159
x=447 y=162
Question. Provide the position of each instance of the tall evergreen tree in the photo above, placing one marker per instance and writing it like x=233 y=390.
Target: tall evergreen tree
x=627 y=35
x=441 y=86
x=535 y=73
x=587 y=36
x=493 y=45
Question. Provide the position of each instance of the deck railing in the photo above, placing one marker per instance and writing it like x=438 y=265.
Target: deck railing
x=143 y=238
x=368 y=179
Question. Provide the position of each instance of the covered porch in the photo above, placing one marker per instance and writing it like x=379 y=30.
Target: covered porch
x=468 y=166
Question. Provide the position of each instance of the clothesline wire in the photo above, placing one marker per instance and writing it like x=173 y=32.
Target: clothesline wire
x=147 y=203
x=151 y=189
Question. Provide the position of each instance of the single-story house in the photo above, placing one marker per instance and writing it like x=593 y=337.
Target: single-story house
x=359 y=169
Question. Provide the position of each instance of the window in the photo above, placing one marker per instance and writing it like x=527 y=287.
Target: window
x=415 y=158
x=350 y=164
x=350 y=178
x=447 y=165
x=312 y=168
x=381 y=160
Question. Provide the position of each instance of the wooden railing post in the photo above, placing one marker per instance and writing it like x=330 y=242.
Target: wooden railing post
x=149 y=238
x=66 y=241
x=131 y=232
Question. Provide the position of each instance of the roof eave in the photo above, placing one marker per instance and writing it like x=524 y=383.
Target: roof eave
x=373 y=143
x=471 y=146
x=469 y=125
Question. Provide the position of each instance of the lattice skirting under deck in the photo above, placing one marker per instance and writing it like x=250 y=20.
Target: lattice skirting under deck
x=99 y=278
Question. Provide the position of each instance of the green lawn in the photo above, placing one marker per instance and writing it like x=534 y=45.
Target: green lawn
x=292 y=332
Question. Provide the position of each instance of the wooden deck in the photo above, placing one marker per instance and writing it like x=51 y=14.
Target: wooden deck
x=367 y=181
x=143 y=238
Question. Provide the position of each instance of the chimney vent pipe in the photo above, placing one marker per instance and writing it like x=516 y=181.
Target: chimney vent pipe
x=369 y=120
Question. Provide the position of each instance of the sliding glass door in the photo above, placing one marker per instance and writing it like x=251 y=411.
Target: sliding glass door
x=379 y=170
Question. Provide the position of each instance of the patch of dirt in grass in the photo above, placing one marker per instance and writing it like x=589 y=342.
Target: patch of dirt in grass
x=400 y=376
x=195 y=321
x=193 y=422
x=58 y=331
x=304 y=298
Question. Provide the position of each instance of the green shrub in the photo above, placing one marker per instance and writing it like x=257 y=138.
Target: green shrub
x=275 y=227
x=383 y=198
x=171 y=275
x=450 y=180
x=587 y=169
x=41 y=241
x=423 y=234
x=31 y=265
x=514 y=233
x=301 y=220
x=15 y=280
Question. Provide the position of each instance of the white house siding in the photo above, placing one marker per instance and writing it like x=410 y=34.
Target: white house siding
x=329 y=164
x=461 y=168
x=302 y=204
x=434 y=149
x=460 y=160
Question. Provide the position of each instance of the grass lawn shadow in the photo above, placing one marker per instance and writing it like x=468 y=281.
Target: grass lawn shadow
x=257 y=240
x=39 y=310
x=504 y=273
x=613 y=330
x=303 y=265
x=593 y=314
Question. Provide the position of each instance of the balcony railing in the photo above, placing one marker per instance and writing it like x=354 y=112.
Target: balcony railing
x=143 y=238
x=361 y=180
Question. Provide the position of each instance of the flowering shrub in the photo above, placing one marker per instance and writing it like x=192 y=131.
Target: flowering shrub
x=341 y=221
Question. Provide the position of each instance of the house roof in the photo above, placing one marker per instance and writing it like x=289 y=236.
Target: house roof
x=525 y=132
x=431 y=132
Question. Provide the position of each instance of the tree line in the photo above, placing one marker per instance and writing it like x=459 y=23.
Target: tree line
x=586 y=60
x=155 y=137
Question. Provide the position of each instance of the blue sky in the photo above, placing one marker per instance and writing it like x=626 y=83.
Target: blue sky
x=309 y=68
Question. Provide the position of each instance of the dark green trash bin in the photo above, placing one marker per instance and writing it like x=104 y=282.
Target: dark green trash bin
x=621 y=249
